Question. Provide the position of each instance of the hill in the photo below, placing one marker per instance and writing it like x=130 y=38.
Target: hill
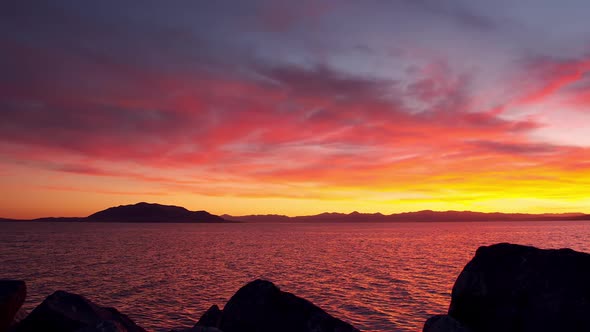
x=419 y=216
x=140 y=212
x=150 y=212
x=147 y=212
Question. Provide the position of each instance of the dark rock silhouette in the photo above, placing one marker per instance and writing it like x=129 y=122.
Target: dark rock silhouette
x=12 y=297
x=260 y=306
x=444 y=323
x=211 y=317
x=20 y=315
x=508 y=287
x=199 y=329
x=104 y=326
x=64 y=312
x=257 y=307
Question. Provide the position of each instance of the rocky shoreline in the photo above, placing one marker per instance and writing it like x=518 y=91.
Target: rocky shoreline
x=257 y=306
x=505 y=287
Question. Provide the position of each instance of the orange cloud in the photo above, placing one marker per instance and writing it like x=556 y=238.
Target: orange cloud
x=282 y=132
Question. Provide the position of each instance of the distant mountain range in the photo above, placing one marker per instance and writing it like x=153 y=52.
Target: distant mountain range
x=419 y=216
x=149 y=212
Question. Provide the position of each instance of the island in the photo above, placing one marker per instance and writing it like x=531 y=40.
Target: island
x=141 y=212
x=153 y=212
x=418 y=216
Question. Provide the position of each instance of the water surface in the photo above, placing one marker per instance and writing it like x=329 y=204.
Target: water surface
x=379 y=277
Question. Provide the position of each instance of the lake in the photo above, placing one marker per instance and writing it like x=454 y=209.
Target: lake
x=379 y=277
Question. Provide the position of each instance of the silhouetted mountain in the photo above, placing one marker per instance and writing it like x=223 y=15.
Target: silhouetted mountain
x=419 y=216
x=149 y=212
x=140 y=212
x=146 y=212
x=52 y=219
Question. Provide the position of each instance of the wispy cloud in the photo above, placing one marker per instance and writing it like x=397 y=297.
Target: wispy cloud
x=268 y=99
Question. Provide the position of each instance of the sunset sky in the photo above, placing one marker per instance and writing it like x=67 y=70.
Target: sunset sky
x=294 y=107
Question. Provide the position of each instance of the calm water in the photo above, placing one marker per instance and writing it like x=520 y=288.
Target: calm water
x=379 y=277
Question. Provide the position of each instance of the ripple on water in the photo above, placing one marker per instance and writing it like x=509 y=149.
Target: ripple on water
x=379 y=277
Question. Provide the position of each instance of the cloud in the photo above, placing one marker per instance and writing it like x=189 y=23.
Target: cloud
x=518 y=148
x=207 y=96
x=459 y=14
x=554 y=75
x=299 y=122
x=322 y=81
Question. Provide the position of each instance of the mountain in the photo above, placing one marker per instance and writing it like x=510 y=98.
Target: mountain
x=146 y=212
x=141 y=212
x=419 y=216
x=8 y=219
x=149 y=212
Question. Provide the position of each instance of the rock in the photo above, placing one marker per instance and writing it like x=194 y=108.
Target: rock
x=211 y=317
x=199 y=329
x=63 y=312
x=104 y=326
x=12 y=297
x=508 y=287
x=260 y=306
x=443 y=323
x=205 y=329
x=20 y=315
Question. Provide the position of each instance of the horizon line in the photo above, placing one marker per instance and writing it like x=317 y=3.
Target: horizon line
x=312 y=215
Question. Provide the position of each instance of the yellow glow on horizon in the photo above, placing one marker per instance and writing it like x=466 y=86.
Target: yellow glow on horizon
x=547 y=188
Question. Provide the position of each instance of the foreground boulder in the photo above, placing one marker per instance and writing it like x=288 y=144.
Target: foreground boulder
x=444 y=323
x=211 y=317
x=508 y=287
x=197 y=328
x=65 y=312
x=12 y=297
x=104 y=326
x=260 y=306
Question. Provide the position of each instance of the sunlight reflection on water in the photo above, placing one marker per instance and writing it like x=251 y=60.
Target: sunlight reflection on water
x=379 y=277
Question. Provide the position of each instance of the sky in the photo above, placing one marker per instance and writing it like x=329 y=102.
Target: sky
x=294 y=107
